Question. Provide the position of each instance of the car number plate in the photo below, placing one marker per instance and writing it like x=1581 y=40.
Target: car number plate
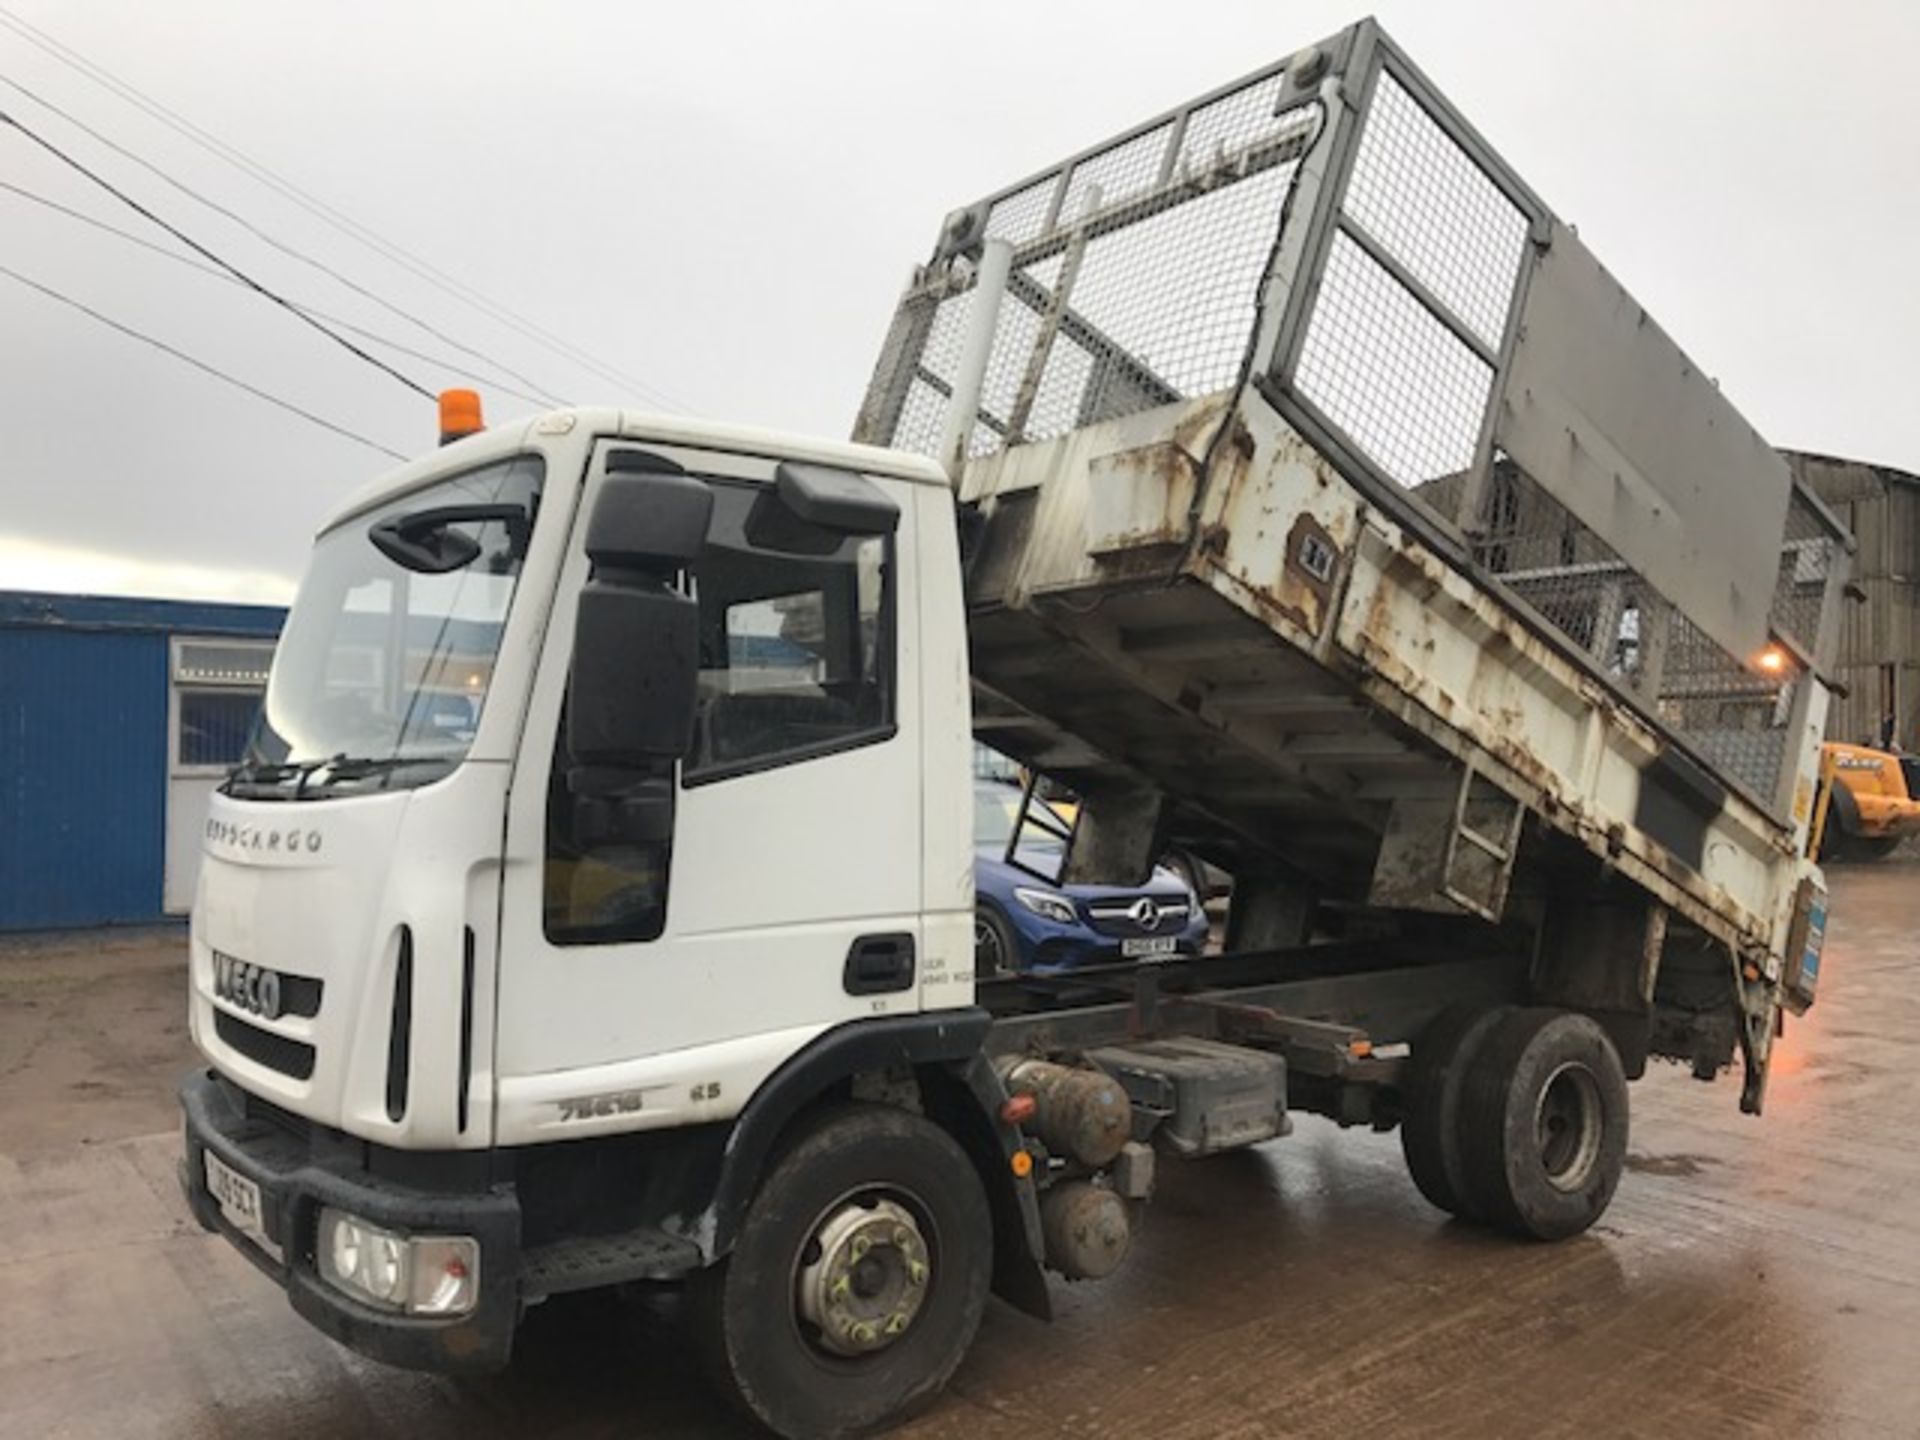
x=239 y=1201
x=1148 y=945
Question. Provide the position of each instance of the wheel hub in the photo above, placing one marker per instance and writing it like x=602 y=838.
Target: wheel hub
x=867 y=1278
x=1568 y=1125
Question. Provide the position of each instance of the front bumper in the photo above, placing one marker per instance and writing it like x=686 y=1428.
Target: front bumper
x=1049 y=947
x=1059 y=954
x=297 y=1174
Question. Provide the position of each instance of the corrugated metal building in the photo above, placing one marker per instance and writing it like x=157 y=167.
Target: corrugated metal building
x=1879 y=658
x=117 y=719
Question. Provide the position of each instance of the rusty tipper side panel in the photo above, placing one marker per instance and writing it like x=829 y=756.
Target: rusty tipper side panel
x=1328 y=489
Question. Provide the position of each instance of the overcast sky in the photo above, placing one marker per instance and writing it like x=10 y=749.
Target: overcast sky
x=720 y=203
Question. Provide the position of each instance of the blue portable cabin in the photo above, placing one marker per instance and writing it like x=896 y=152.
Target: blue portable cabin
x=117 y=718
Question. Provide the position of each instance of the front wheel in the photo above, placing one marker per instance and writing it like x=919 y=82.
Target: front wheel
x=858 y=1279
x=995 y=948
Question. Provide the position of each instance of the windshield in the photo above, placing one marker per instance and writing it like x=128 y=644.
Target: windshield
x=384 y=666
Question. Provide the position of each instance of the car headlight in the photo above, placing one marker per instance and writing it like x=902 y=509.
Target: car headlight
x=1048 y=906
x=418 y=1274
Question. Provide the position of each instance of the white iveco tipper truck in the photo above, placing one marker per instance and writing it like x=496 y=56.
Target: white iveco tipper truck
x=595 y=905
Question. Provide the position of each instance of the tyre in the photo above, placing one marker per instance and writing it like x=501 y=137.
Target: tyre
x=1837 y=840
x=996 y=949
x=1192 y=874
x=1543 y=1124
x=1429 y=1130
x=857 y=1281
x=1873 y=847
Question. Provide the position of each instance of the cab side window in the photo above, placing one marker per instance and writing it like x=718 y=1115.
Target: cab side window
x=796 y=639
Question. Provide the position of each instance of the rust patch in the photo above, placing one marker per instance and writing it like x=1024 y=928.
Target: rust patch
x=1195 y=432
x=1153 y=487
x=1382 y=651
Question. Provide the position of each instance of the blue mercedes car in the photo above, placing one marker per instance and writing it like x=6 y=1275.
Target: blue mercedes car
x=1021 y=921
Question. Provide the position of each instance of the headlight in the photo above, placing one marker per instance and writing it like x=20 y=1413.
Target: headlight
x=1048 y=906
x=420 y=1274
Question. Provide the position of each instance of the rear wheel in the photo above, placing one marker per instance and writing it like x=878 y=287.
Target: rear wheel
x=1429 y=1131
x=995 y=948
x=858 y=1279
x=1543 y=1124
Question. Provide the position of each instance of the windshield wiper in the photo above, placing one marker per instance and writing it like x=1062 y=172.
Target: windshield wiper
x=359 y=767
x=274 y=775
x=275 y=772
x=346 y=769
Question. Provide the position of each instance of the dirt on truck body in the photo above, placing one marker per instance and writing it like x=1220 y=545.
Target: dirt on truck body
x=1336 y=517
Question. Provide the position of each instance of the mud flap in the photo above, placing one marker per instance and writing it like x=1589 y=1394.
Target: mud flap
x=1019 y=1244
x=1759 y=1023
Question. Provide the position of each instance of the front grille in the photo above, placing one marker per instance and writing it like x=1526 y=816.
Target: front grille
x=265 y=1112
x=299 y=994
x=1119 y=916
x=290 y=1057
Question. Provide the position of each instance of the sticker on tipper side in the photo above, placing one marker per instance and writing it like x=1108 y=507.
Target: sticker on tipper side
x=1816 y=941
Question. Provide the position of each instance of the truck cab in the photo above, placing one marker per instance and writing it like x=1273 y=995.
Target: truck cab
x=454 y=906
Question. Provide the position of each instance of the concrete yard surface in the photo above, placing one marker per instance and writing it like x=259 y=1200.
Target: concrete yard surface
x=1753 y=1278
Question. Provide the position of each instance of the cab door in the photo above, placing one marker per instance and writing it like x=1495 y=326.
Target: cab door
x=657 y=984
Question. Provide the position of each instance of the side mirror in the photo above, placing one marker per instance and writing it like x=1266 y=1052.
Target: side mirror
x=636 y=658
x=811 y=510
x=636 y=643
x=425 y=540
x=648 y=519
x=835 y=499
x=613 y=808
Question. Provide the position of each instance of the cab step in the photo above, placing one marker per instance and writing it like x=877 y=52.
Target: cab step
x=585 y=1262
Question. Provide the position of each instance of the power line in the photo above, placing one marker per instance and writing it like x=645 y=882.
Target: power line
x=545 y=397
x=453 y=367
x=328 y=214
x=197 y=363
x=199 y=249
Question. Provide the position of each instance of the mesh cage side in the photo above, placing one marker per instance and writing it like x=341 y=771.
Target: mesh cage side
x=1151 y=298
x=1729 y=709
x=1425 y=201
x=1378 y=364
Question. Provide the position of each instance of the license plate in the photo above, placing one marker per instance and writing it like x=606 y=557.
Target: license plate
x=1148 y=945
x=239 y=1200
